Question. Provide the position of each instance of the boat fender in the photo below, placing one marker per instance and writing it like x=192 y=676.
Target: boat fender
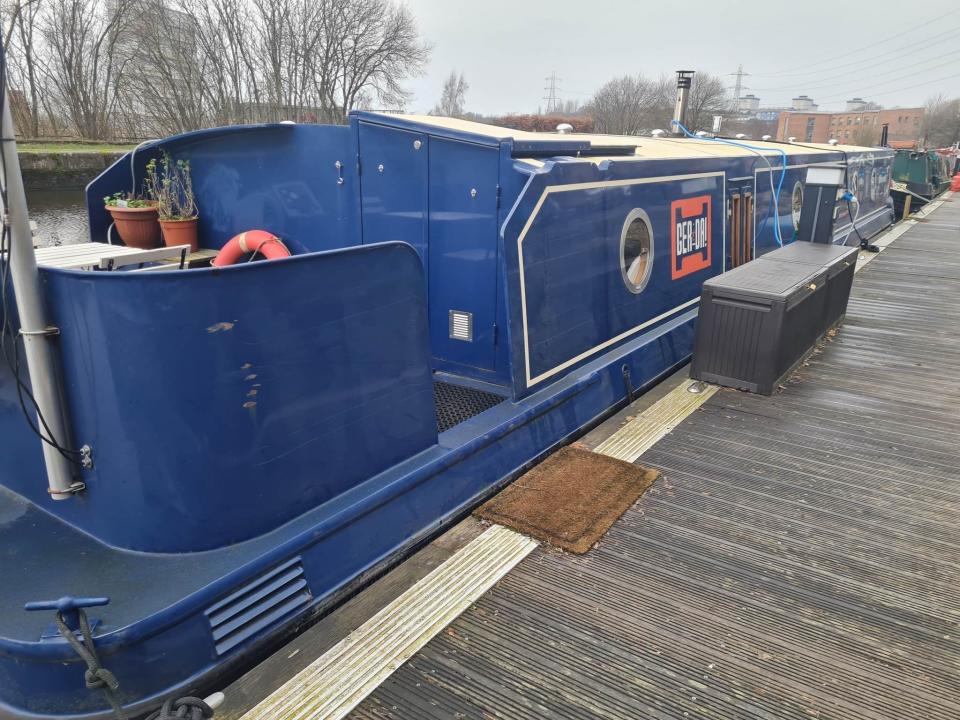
x=251 y=241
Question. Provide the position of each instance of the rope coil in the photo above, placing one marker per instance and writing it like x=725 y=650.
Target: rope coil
x=185 y=708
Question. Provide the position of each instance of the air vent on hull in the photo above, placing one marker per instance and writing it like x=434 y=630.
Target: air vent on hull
x=461 y=325
x=258 y=605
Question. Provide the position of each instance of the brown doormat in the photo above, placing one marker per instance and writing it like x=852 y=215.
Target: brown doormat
x=570 y=499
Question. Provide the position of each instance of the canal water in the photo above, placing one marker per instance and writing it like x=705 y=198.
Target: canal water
x=60 y=215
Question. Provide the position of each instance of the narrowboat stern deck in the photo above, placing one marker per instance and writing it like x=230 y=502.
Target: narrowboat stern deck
x=798 y=558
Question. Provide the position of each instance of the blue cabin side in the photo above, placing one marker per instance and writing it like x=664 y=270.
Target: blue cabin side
x=508 y=277
x=295 y=413
x=520 y=284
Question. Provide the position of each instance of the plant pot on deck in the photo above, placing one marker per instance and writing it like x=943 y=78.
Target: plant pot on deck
x=180 y=232
x=137 y=227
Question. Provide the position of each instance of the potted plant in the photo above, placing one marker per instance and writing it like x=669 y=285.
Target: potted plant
x=170 y=184
x=135 y=220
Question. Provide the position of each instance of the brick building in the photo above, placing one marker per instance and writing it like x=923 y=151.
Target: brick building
x=853 y=128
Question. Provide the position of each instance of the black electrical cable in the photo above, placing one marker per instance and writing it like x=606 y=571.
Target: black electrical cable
x=6 y=250
x=864 y=243
x=6 y=331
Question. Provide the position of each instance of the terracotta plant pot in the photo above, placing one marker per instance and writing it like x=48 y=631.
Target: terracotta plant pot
x=180 y=232
x=137 y=227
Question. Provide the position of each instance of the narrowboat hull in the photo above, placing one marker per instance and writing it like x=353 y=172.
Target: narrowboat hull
x=266 y=437
x=920 y=175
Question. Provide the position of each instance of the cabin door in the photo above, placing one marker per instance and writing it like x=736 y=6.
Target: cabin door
x=463 y=253
x=740 y=225
x=393 y=186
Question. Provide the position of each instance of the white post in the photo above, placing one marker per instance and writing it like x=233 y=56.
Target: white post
x=33 y=327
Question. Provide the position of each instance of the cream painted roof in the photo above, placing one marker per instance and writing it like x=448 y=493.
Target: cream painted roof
x=843 y=148
x=646 y=147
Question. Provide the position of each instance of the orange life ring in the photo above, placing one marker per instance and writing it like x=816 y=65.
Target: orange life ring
x=251 y=241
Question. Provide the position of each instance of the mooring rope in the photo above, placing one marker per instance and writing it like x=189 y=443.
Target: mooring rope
x=96 y=676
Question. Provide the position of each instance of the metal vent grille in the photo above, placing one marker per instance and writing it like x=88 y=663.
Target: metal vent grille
x=258 y=605
x=461 y=325
x=456 y=403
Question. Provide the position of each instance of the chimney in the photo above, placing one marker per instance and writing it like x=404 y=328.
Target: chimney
x=684 y=81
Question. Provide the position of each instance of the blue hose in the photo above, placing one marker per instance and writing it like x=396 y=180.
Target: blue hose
x=775 y=196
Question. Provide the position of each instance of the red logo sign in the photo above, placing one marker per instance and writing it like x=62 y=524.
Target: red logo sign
x=690 y=233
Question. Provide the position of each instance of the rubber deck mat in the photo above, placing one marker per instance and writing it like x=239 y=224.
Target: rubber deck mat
x=798 y=559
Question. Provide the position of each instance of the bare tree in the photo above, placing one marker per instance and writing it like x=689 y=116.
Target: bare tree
x=570 y=107
x=19 y=39
x=377 y=47
x=166 y=94
x=627 y=105
x=453 y=96
x=291 y=46
x=941 y=121
x=303 y=59
x=708 y=97
x=231 y=83
x=83 y=66
x=146 y=67
x=865 y=136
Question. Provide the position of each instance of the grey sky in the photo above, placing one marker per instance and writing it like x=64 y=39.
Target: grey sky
x=506 y=48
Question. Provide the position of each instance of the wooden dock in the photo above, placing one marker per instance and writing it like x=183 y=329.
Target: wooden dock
x=800 y=557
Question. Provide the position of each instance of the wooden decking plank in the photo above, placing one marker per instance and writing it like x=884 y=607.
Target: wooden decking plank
x=798 y=559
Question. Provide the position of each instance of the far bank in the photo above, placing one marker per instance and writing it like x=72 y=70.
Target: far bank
x=62 y=166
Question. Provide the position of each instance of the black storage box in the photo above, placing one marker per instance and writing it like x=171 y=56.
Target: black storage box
x=758 y=321
x=841 y=263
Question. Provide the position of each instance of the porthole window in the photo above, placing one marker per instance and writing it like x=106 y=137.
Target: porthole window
x=796 y=204
x=636 y=250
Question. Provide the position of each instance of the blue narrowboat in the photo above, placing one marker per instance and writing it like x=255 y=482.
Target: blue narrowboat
x=259 y=439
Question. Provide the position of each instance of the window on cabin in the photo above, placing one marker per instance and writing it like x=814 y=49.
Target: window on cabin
x=636 y=251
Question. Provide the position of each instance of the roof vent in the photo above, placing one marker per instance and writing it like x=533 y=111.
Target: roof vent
x=657 y=133
x=832 y=141
x=767 y=137
x=791 y=139
x=564 y=128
